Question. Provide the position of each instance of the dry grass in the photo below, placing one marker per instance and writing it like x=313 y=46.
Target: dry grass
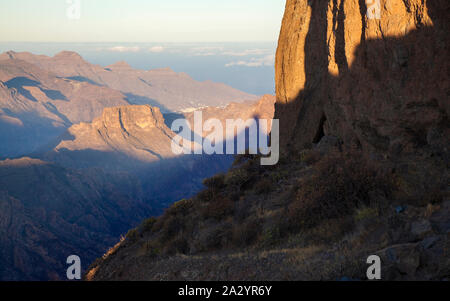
x=244 y=219
x=341 y=185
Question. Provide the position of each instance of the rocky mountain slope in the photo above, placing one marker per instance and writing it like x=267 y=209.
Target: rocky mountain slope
x=135 y=132
x=164 y=88
x=40 y=96
x=92 y=184
x=137 y=140
x=49 y=212
x=129 y=137
x=374 y=85
x=36 y=106
x=363 y=105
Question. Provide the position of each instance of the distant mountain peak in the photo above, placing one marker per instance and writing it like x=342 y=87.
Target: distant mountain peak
x=68 y=54
x=24 y=161
x=13 y=55
x=121 y=65
x=166 y=69
x=143 y=116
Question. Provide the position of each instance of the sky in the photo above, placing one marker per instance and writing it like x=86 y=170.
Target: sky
x=140 y=20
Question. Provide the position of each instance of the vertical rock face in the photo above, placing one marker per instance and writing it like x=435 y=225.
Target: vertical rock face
x=377 y=84
x=138 y=132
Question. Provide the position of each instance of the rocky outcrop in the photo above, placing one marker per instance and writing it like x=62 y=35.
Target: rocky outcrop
x=377 y=85
x=138 y=132
x=380 y=85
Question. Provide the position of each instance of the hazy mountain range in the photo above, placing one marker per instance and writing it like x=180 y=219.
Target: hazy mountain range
x=99 y=158
x=42 y=96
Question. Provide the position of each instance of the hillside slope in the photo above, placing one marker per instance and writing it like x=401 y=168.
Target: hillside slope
x=92 y=185
x=364 y=109
x=314 y=217
x=49 y=212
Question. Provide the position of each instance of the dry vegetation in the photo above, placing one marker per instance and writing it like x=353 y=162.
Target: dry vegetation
x=332 y=209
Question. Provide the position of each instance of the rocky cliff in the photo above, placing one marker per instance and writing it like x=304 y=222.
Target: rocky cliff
x=381 y=85
x=376 y=85
x=363 y=106
x=139 y=135
x=137 y=132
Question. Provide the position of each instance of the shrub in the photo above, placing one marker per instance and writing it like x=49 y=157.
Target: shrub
x=213 y=237
x=148 y=224
x=328 y=231
x=365 y=214
x=242 y=210
x=173 y=219
x=205 y=195
x=280 y=175
x=309 y=156
x=271 y=237
x=132 y=236
x=341 y=184
x=247 y=233
x=216 y=183
x=219 y=208
x=149 y=249
x=181 y=207
x=178 y=245
x=264 y=186
x=237 y=177
x=171 y=226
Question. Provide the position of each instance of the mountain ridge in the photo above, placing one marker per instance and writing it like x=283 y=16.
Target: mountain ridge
x=41 y=96
x=69 y=64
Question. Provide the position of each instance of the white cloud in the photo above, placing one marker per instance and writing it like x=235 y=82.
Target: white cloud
x=205 y=54
x=221 y=51
x=206 y=50
x=247 y=52
x=125 y=49
x=157 y=49
x=268 y=60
